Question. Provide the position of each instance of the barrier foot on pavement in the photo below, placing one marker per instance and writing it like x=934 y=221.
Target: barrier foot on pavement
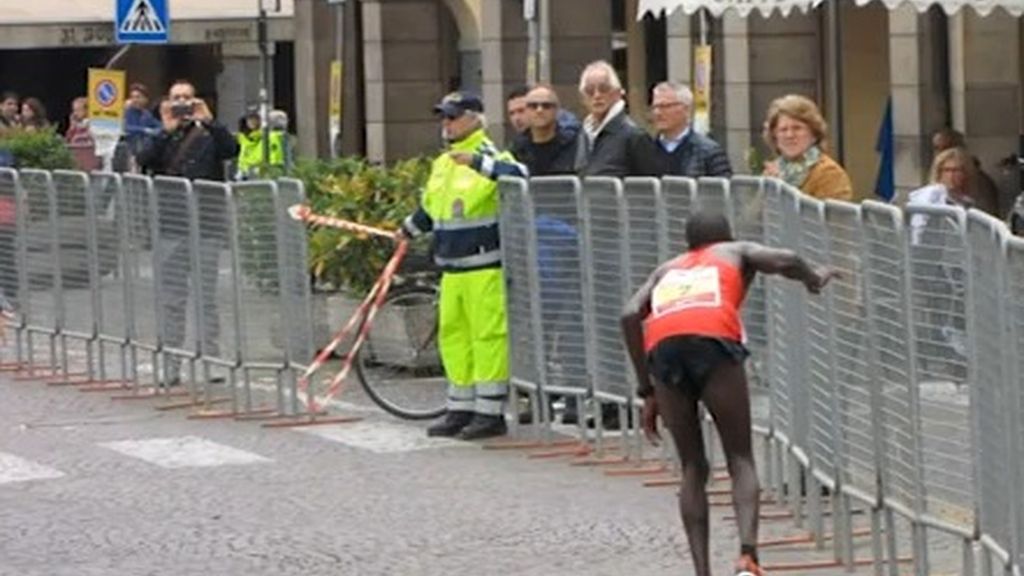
x=304 y=421
x=729 y=503
x=660 y=482
x=219 y=414
x=803 y=539
x=87 y=383
x=108 y=386
x=600 y=461
x=578 y=449
x=193 y=403
x=822 y=565
x=46 y=375
x=150 y=393
x=639 y=470
x=507 y=444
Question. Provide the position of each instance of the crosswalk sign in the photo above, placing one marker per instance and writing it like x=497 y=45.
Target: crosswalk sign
x=142 y=22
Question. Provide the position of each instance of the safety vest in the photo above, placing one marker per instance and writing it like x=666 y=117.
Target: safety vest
x=250 y=154
x=700 y=294
x=462 y=206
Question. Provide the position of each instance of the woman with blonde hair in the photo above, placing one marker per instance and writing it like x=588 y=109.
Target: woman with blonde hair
x=952 y=180
x=796 y=132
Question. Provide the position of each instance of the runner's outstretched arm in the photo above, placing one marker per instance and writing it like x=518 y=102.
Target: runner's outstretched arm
x=786 y=263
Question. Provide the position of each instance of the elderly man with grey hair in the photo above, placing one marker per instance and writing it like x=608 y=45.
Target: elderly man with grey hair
x=681 y=151
x=613 y=145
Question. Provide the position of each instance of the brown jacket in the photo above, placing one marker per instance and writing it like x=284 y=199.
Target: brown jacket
x=828 y=180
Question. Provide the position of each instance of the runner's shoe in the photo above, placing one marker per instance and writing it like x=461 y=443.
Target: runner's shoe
x=746 y=566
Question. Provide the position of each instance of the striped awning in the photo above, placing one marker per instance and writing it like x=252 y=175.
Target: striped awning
x=785 y=7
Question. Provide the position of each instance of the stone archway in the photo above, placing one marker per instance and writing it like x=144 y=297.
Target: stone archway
x=466 y=14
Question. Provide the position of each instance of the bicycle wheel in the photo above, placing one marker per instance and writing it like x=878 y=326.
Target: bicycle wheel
x=399 y=365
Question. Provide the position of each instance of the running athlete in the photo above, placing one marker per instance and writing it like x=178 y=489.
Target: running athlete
x=683 y=328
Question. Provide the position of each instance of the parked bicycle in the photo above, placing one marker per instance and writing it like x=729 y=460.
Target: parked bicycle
x=399 y=365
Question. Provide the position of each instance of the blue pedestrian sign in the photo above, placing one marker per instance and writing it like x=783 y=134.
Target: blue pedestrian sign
x=142 y=22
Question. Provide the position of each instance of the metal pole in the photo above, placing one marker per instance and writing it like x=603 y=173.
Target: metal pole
x=339 y=39
x=264 y=83
x=835 y=84
x=533 y=43
x=544 y=42
x=703 y=27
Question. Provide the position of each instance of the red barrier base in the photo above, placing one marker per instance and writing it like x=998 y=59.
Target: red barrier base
x=220 y=414
x=804 y=539
x=109 y=386
x=507 y=444
x=822 y=565
x=150 y=393
x=191 y=404
x=89 y=382
x=307 y=421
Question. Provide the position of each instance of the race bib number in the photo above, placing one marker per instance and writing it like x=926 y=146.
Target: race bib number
x=681 y=289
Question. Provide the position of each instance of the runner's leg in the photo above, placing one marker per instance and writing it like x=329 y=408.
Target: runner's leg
x=679 y=413
x=725 y=396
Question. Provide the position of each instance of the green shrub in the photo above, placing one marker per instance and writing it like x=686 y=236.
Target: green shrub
x=42 y=149
x=353 y=189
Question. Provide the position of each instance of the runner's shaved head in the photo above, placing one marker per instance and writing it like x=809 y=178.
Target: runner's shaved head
x=703 y=229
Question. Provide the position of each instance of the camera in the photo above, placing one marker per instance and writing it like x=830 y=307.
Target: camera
x=183 y=109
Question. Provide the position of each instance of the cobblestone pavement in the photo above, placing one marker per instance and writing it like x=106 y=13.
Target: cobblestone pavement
x=93 y=486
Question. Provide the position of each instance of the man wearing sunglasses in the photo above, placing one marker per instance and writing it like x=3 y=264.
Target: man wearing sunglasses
x=548 y=147
x=614 y=144
x=460 y=208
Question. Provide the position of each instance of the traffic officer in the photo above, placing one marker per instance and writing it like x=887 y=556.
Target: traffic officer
x=460 y=207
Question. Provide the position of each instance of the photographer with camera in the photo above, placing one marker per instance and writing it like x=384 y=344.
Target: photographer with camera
x=194 y=146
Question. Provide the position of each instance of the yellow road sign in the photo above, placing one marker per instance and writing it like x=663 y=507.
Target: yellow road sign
x=106 y=95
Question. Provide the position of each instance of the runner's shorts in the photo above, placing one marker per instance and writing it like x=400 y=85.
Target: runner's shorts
x=686 y=362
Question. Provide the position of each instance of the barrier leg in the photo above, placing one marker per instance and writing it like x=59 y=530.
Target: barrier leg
x=877 y=548
x=967 y=550
x=890 y=536
x=920 y=535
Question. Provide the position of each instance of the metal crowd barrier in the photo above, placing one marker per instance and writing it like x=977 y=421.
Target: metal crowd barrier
x=158 y=287
x=891 y=405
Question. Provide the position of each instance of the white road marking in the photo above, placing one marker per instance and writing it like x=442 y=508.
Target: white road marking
x=382 y=437
x=184 y=452
x=15 y=469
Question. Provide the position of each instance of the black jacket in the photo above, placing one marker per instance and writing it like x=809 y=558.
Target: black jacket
x=566 y=142
x=621 y=149
x=204 y=158
x=696 y=156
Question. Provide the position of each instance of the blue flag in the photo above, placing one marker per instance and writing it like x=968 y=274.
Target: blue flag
x=885 y=184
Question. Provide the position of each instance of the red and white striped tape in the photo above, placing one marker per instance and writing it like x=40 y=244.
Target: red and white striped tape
x=362 y=317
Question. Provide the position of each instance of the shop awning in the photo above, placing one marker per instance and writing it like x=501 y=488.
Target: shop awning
x=785 y=7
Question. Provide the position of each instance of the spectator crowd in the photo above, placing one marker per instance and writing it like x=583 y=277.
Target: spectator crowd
x=145 y=123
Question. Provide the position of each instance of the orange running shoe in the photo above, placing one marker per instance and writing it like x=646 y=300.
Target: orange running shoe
x=746 y=566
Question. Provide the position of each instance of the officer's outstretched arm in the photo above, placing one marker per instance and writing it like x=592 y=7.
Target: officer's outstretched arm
x=494 y=167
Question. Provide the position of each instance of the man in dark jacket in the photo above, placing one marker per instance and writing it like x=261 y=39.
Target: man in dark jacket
x=192 y=145
x=615 y=145
x=681 y=150
x=550 y=144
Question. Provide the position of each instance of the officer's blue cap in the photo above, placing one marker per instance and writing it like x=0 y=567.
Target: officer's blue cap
x=458 y=103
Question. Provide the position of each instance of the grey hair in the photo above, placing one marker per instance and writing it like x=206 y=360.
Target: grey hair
x=278 y=120
x=478 y=116
x=600 y=66
x=682 y=92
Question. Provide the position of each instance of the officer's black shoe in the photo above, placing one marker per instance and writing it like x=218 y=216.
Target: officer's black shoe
x=454 y=421
x=484 y=426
